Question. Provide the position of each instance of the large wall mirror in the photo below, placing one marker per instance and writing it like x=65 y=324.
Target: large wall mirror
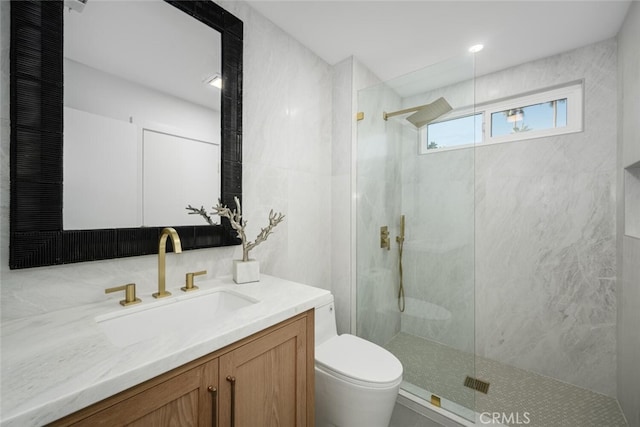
x=115 y=129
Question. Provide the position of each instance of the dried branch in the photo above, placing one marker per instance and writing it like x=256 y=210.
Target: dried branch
x=202 y=212
x=238 y=224
x=274 y=219
x=235 y=218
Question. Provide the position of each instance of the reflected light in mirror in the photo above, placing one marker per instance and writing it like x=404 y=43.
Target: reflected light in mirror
x=215 y=81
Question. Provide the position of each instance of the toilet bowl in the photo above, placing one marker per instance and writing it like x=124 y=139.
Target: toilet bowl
x=356 y=381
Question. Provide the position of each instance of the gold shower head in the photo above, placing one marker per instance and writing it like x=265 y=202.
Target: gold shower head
x=428 y=113
x=424 y=114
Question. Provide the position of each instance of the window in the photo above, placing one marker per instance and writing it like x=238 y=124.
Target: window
x=551 y=112
x=542 y=114
x=545 y=115
x=458 y=132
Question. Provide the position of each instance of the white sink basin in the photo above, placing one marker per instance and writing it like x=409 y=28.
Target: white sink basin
x=173 y=314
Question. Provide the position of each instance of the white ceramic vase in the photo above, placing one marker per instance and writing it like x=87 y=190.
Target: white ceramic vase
x=246 y=271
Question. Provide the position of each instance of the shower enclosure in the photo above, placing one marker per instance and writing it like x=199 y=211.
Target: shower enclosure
x=497 y=298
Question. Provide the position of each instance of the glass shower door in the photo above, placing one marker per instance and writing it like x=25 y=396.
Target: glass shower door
x=416 y=296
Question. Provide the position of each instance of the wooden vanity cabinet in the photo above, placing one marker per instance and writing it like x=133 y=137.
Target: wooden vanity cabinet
x=263 y=380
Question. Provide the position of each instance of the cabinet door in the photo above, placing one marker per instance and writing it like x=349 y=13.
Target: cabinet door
x=264 y=383
x=182 y=401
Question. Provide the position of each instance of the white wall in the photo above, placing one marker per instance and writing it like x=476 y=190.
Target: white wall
x=287 y=163
x=101 y=167
x=628 y=238
x=287 y=167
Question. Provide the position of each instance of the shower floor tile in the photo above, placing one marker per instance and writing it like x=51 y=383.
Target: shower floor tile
x=521 y=395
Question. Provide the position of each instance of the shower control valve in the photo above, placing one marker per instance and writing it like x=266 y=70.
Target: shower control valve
x=385 y=240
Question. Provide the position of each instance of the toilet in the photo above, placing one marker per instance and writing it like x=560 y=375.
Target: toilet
x=357 y=381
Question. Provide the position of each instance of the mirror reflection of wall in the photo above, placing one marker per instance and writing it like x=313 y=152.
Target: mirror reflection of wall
x=141 y=126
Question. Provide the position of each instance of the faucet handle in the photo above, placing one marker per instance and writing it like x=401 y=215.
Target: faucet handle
x=189 y=286
x=129 y=293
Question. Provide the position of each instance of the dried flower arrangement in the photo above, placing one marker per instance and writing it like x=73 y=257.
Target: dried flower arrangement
x=239 y=224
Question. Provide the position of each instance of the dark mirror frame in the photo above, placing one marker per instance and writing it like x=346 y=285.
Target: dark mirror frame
x=37 y=237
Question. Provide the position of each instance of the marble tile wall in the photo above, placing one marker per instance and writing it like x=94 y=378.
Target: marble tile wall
x=628 y=248
x=628 y=340
x=545 y=231
x=287 y=167
x=544 y=235
x=341 y=210
x=631 y=184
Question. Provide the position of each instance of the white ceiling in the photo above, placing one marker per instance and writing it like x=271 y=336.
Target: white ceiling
x=393 y=38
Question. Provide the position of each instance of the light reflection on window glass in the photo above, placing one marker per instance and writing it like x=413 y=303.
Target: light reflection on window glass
x=546 y=115
x=455 y=132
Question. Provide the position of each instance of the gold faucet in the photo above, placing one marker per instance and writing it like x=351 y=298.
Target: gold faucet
x=162 y=250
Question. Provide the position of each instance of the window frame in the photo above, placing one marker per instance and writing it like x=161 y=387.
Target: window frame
x=572 y=91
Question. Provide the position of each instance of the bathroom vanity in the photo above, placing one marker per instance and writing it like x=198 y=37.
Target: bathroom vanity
x=63 y=368
x=269 y=374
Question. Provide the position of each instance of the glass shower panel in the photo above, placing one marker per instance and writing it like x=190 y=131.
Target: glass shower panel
x=378 y=204
x=425 y=316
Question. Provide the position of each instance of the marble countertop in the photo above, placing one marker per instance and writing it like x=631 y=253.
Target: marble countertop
x=56 y=363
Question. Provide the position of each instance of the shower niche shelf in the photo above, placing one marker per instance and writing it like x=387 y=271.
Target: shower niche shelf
x=632 y=200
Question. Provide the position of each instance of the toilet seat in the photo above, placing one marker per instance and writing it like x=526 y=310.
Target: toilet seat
x=358 y=361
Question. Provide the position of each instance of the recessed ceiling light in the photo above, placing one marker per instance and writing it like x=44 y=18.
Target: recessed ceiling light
x=476 y=48
x=214 y=80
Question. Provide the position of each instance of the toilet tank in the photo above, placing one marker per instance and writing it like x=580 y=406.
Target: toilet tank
x=325 y=322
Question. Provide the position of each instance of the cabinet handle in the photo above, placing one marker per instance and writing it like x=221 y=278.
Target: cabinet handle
x=232 y=380
x=214 y=405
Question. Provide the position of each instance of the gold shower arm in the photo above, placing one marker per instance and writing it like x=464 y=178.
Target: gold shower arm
x=386 y=115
